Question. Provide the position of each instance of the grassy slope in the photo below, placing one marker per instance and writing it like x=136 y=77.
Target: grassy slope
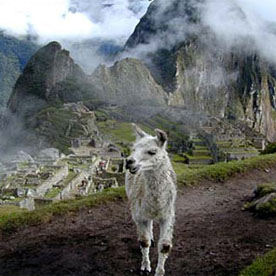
x=219 y=172
x=13 y=218
x=14 y=54
x=263 y=266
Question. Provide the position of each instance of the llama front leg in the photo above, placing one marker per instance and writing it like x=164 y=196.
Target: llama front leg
x=164 y=244
x=145 y=236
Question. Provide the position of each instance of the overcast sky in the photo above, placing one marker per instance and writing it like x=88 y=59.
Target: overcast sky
x=75 y=19
x=107 y=19
x=233 y=21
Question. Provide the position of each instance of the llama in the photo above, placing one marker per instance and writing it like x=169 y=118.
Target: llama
x=151 y=190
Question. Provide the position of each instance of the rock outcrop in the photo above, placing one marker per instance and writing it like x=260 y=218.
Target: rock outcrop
x=127 y=82
x=51 y=76
x=41 y=78
x=186 y=75
x=199 y=72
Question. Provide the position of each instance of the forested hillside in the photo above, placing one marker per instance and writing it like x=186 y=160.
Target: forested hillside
x=14 y=54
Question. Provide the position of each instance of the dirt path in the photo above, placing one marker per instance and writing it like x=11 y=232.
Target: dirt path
x=212 y=237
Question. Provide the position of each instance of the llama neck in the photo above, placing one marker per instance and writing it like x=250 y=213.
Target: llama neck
x=155 y=177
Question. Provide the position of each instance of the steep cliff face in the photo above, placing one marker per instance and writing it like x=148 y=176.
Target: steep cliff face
x=127 y=82
x=257 y=88
x=52 y=81
x=187 y=71
x=198 y=73
x=51 y=76
x=38 y=83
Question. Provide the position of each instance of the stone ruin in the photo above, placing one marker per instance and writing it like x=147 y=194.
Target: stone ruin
x=100 y=184
x=31 y=182
x=116 y=165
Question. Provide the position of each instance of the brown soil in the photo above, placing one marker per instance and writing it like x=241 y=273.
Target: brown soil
x=212 y=237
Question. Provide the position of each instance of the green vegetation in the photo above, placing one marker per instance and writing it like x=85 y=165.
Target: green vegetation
x=267 y=209
x=69 y=178
x=264 y=204
x=8 y=210
x=57 y=121
x=199 y=157
x=59 y=125
x=11 y=218
x=180 y=168
x=223 y=171
x=14 y=54
x=173 y=129
x=263 y=266
x=219 y=172
x=53 y=192
x=265 y=189
x=270 y=148
x=118 y=131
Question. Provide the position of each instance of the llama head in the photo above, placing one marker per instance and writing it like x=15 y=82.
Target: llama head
x=148 y=152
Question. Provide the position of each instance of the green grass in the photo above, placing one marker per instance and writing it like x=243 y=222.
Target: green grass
x=180 y=168
x=69 y=178
x=117 y=131
x=7 y=210
x=120 y=131
x=223 y=171
x=203 y=151
x=53 y=192
x=263 y=266
x=219 y=172
x=199 y=157
x=12 y=219
x=264 y=189
x=178 y=158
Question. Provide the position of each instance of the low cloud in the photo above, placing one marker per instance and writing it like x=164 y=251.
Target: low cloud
x=240 y=23
x=71 y=20
x=82 y=26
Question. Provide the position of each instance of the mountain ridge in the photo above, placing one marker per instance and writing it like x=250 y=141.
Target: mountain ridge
x=196 y=82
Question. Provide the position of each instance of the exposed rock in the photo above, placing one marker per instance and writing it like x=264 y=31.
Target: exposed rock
x=27 y=203
x=20 y=192
x=60 y=126
x=263 y=203
x=199 y=74
x=50 y=153
x=49 y=67
x=24 y=157
x=127 y=82
x=186 y=80
x=31 y=193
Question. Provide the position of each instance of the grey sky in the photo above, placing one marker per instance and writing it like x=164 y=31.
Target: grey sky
x=75 y=19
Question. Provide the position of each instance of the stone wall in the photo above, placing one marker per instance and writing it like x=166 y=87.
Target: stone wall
x=72 y=188
x=60 y=174
x=27 y=203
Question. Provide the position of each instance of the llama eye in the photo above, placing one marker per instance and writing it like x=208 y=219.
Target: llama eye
x=151 y=152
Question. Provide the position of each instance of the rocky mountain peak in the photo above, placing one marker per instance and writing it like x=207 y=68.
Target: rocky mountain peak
x=199 y=71
x=128 y=82
x=162 y=17
x=47 y=68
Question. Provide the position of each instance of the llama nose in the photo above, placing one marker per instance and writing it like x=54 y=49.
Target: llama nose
x=129 y=162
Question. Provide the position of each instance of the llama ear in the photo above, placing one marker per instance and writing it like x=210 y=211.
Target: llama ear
x=139 y=132
x=162 y=136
